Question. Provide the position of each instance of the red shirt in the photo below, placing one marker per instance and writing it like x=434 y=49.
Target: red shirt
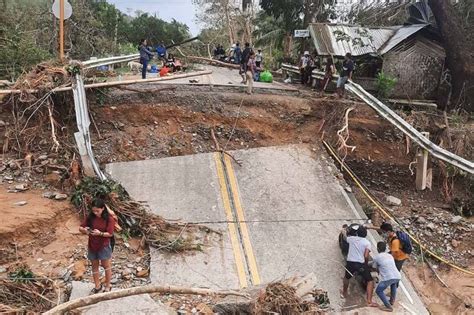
x=97 y=243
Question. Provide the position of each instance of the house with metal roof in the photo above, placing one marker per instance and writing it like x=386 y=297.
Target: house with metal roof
x=412 y=54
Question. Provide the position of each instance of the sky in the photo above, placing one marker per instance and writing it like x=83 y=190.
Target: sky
x=183 y=11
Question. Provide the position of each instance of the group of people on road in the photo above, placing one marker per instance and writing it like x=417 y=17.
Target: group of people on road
x=250 y=62
x=169 y=62
x=308 y=63
x=388 y=264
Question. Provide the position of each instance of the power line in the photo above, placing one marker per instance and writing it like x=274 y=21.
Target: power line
x=279 y=221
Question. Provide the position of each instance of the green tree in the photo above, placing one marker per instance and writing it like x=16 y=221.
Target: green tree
x=296 y=14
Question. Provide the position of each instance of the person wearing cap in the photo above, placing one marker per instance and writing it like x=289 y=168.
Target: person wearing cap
x=345 y=75
x=303 y=64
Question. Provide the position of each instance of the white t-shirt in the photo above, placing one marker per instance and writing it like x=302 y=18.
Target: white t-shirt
x=304 y=61
x=357 y=247
x=386 y=265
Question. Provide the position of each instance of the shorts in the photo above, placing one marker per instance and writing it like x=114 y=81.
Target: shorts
x=341 y=82
x=399 y=264
x=357 y=268
x=104 y=254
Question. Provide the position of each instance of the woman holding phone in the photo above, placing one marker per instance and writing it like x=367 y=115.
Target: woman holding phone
x=99 y=226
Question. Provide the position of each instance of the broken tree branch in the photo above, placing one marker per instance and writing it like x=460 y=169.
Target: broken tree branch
x=115 y=83
x=93 y=299
x=213 y=135
x=343 y=135
x=167 y=88
x=53 y=132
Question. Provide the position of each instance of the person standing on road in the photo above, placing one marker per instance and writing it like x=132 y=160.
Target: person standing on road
x=303 y=64
x=259 y=58
x=345 y=75
x=329 y=71
x=251 y=71
x=99 y=225
x=389 y=276
x=244 y=62
x=145 y=56
x=237 y=54
x=357 y=263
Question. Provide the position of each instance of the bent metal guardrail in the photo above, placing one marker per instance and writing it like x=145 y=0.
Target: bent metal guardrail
x=384 y=111
x=108 y=61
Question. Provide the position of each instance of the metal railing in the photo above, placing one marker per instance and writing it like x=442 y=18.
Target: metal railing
x=109 y=61
x=384 y=111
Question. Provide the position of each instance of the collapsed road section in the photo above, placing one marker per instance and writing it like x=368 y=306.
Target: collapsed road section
x=279 y=214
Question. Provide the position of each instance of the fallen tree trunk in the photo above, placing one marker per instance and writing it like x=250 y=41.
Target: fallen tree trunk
x=116 y=83
x=93 y=299
x=214 y=62
x=168 y=88
x=209 y=60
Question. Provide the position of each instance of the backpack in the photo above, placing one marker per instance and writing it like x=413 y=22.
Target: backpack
x=117 y=227
x=405 y=242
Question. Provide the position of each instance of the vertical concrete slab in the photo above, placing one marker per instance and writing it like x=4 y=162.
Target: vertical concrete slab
x=184 y=188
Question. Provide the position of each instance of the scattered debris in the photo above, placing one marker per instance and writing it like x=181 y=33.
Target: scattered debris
x=393 y=201
x=456 y=219
x=60 y=196
x=27 y=293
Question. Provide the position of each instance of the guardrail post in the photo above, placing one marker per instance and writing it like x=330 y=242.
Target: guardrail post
x=422 y=166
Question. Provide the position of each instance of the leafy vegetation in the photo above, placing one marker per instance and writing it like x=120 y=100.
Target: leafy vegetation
x=92 y=187
x=29 y=33
x=22 y=274
x=385 y=84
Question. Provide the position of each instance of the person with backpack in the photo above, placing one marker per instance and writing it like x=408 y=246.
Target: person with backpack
x=99 y=225
x=389 y=276
x=399 y=244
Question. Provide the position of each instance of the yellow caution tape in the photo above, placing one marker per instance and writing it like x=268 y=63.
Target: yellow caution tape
x=388 y=215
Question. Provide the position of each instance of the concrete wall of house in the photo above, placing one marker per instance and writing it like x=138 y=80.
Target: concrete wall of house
x=417 y=65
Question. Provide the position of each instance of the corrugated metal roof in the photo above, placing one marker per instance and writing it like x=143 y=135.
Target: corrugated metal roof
x=400 y=35
x=337 y=39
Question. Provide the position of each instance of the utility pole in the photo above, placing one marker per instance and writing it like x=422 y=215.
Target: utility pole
x=61 y=30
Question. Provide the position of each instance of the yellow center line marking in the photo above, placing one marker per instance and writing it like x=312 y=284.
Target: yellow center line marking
x=239 y=260
x=252 y=263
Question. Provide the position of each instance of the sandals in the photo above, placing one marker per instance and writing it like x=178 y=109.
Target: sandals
x=386 y=309
x=95 y=291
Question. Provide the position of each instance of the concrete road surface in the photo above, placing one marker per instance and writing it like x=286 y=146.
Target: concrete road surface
x=221 y=76
x=280 y=213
